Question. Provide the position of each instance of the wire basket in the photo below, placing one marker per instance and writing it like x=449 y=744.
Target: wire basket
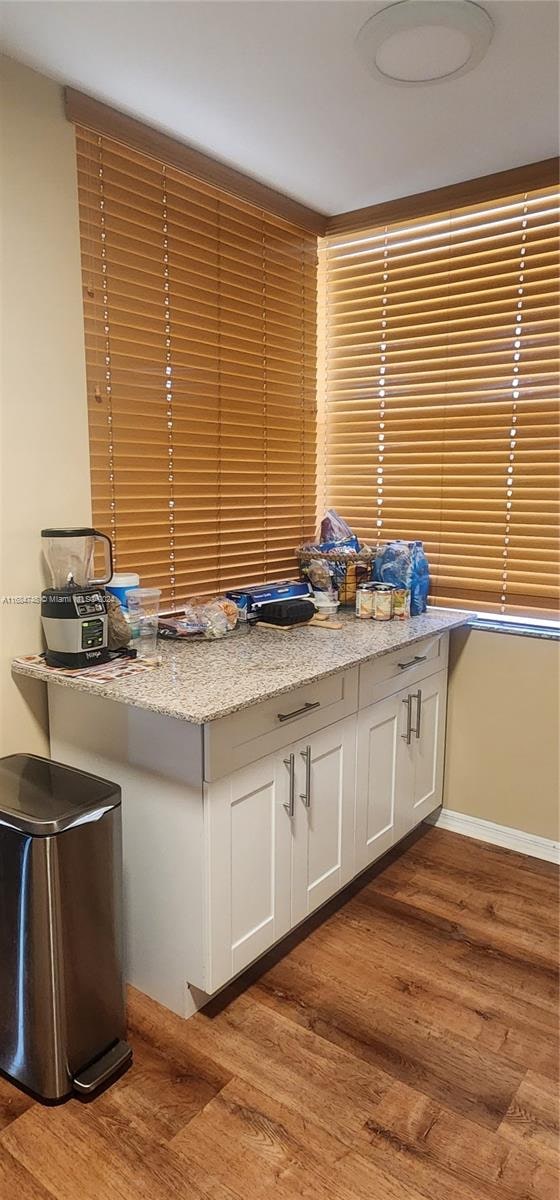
x=347 y=571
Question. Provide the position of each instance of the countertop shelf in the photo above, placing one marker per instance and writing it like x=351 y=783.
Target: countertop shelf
x=203 y=682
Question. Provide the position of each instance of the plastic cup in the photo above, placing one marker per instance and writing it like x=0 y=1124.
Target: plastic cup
x=143 y=613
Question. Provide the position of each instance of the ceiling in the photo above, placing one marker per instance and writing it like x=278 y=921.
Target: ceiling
x=275 y=88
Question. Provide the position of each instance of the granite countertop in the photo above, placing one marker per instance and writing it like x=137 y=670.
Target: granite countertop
x=204 y=681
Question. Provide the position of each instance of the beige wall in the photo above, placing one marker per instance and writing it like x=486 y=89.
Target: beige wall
x=44 y=468
x=502 y=730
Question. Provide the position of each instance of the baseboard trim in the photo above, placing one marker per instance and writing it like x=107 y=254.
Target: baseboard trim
x=497 y=835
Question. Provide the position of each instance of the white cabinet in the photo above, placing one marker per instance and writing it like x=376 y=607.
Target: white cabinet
x=378 y=778
x=280 y=841
x=421 y=756
x=287 y=832
x=248 y=842
x=399 y=773
x=233 y=834
x=323 y=845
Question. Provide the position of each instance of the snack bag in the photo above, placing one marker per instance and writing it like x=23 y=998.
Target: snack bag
x=336 y=534
x=334 y=528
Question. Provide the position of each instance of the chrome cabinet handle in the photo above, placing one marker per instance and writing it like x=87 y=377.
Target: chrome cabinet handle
x=418 y=697
x=306 y=795
x=411 y=662
x=298 y=711
x=290 y=764
x=407 y=736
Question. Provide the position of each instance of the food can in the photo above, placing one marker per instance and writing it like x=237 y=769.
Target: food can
x=401 y=603
x=364 y=600
x=383 y=601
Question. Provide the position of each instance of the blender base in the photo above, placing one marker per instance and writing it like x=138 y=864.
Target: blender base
x=77 y=661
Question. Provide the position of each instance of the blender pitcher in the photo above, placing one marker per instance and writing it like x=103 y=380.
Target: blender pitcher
x=69 y=555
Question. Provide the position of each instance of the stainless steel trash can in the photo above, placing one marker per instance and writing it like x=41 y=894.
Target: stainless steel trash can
x=62 y=1015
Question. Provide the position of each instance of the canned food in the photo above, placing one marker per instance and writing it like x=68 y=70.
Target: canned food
x=364 y=600
x=401 y=603
x=383 y=601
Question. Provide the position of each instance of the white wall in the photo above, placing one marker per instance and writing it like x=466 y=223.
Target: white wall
x=44 y=463
x=503 y=722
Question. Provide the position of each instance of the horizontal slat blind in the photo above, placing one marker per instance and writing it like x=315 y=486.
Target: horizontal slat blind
x=438 y=384
x=200 y=321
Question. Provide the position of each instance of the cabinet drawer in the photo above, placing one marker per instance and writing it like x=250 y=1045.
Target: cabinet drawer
x=386 y=675
x=264 y=728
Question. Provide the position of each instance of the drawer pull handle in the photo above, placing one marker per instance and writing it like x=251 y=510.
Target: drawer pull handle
x=306 y=795
x=290 y=764
x=406 y=737
x=412 y=662
x=298 y=712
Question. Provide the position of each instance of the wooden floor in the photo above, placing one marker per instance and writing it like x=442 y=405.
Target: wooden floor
x=406 y=1049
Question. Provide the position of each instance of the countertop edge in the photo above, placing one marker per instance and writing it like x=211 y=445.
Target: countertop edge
x=165 y=710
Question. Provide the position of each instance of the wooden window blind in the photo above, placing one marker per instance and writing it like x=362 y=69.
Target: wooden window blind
x=438 y=375
x=200 y=326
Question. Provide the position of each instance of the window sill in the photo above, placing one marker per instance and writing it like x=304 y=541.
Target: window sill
x=546 y=632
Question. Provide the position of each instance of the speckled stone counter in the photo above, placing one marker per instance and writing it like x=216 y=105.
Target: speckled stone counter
x=205 y=681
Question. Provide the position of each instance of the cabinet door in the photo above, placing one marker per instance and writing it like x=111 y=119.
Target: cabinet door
x=379 y=781
x=323 y=847
x=429 y=699
x=249 y=836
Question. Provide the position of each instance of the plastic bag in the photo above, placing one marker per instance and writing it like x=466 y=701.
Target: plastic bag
x=336 y=534
x=215 y=620
x=350 y=545
x=208 y=620
x=320 y=574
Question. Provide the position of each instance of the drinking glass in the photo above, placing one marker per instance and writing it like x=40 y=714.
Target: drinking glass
x=143 y=612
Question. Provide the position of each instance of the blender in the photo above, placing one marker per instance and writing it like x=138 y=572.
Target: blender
x=74 y=608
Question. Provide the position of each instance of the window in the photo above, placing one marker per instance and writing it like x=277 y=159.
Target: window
x=438 y=395
x=200 y=321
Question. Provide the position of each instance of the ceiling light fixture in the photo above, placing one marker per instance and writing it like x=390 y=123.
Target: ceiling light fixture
x=425 y=41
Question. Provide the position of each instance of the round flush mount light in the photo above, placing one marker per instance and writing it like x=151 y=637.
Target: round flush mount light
x=425 y=41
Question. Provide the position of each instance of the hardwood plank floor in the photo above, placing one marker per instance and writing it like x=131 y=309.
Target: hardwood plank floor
x=405 y=1049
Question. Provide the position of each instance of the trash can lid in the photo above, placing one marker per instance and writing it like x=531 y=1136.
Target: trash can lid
x=41 y=797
